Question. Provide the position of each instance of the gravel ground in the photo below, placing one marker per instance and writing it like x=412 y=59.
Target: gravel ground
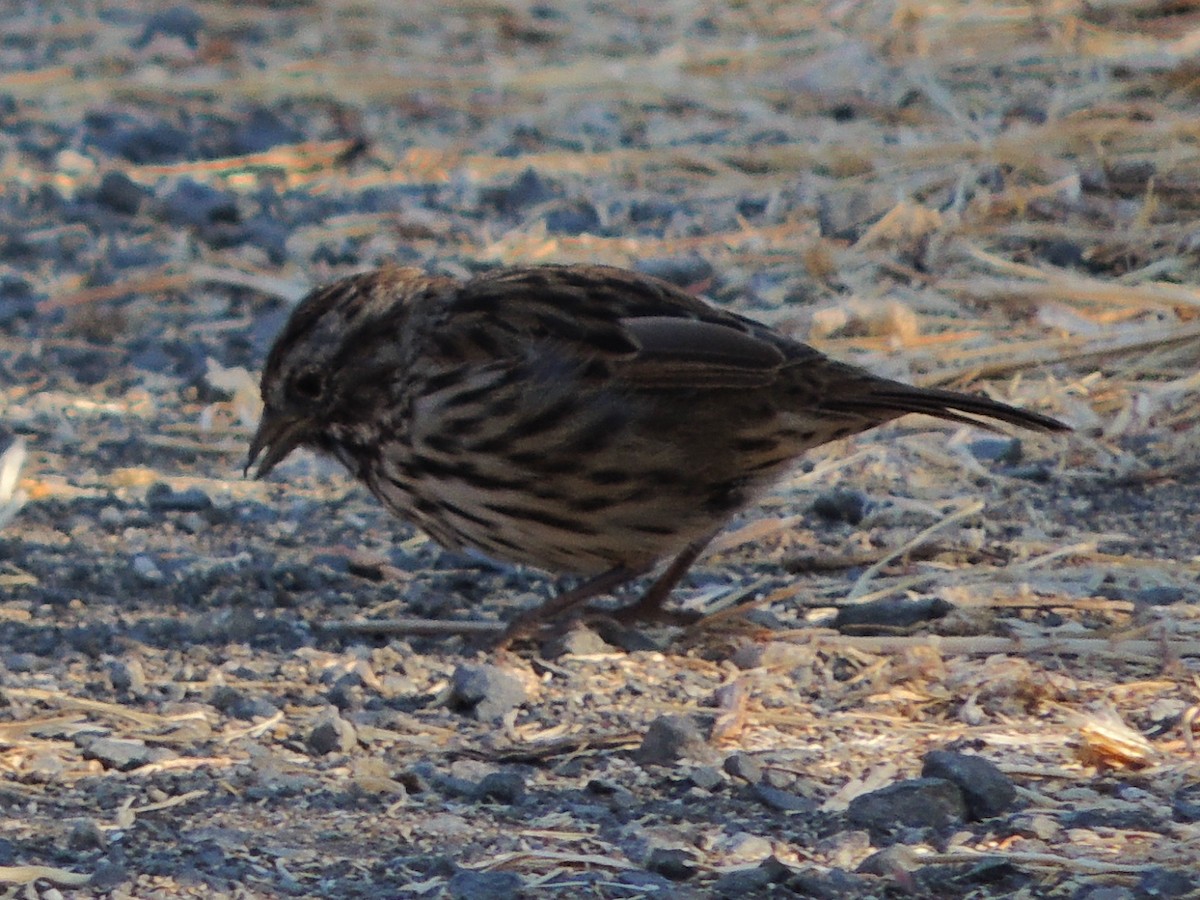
x=936 y=663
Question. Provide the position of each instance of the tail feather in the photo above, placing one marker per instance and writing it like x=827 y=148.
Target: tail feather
x=888 y=399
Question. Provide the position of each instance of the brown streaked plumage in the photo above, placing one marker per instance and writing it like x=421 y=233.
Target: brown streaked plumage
x=581 y=419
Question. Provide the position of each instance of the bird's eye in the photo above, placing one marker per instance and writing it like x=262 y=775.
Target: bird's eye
x=308 y=386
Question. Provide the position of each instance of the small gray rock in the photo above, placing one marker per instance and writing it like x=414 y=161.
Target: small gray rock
x=485 y=692
x=578 y=641
x=501 y=787
x=743 y=766
x=121 y=754
x=672 y=863
x=127 y=676
x=706 y=777
x=783 y=801
x=162 y=497
x=85 y=834
x=669 y=739
x=332 y=734
x=471 y=885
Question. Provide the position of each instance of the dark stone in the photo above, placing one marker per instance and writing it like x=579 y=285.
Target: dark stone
x=121 y=754
x=890 y=613
x=670 y=738
x=783 y=801
x=471 y=885
x=332 y=734
x=1161 y=882
x=743 y=766
x=742 y=883
x=127 y=677
x=1123 y=819
x=672 y=863
x=501 y=787
x=652 y=210
x=234 y=702
x=827 y=886
x=18 y=300
x=987 y=790
x=162 y=497
x=706 y=778
x=1160 y=595
x=1062 y=253
x=841 y=506
x=181 y=21
x=916 y=803
x=528 y=189
x=575 y=218
x=1185 y=805
x=485 y=692
x=85 y=834
x=260 y=131
x=198 y=205
x=121 y=193
x=999 y=450
x=158 y=142
x=106 y=876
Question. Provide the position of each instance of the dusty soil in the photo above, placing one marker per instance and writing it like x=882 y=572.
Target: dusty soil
x=217 y=687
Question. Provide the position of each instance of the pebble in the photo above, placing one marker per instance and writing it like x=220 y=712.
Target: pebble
x=86 y=834
x=987 y=791
x=18 y=300
x=782 y=801
x=471 y=885
x=915 y=803
x=1159 y=595
x=1162 y=882
x=197 y=205
x=332 y=734
x=240 y=705
x=890 y=862
x=572 y=219
x=485 y=692
x=742 y=847
x=1007 y=451
x=122 y=754
x=146 y=570
x=706 y=777
x=841 y=506
x=528 y=189
x=671 y=738
x=501 y=787
x=744 y=766
x=121 y=194
x=181 y=22
x=162 y=497
x=127 y=676
x=672 y=863
x=579 y=641
x=890 y=613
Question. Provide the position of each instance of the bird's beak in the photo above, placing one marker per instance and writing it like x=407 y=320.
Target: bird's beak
x=276 y=437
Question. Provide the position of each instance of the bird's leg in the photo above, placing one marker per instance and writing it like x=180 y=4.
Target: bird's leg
x=649 y=606
x=567 y=600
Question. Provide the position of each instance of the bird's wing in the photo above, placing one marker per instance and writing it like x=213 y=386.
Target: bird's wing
x=651 y=333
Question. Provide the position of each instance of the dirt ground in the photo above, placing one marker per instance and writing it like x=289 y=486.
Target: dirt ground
x=216 y=687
